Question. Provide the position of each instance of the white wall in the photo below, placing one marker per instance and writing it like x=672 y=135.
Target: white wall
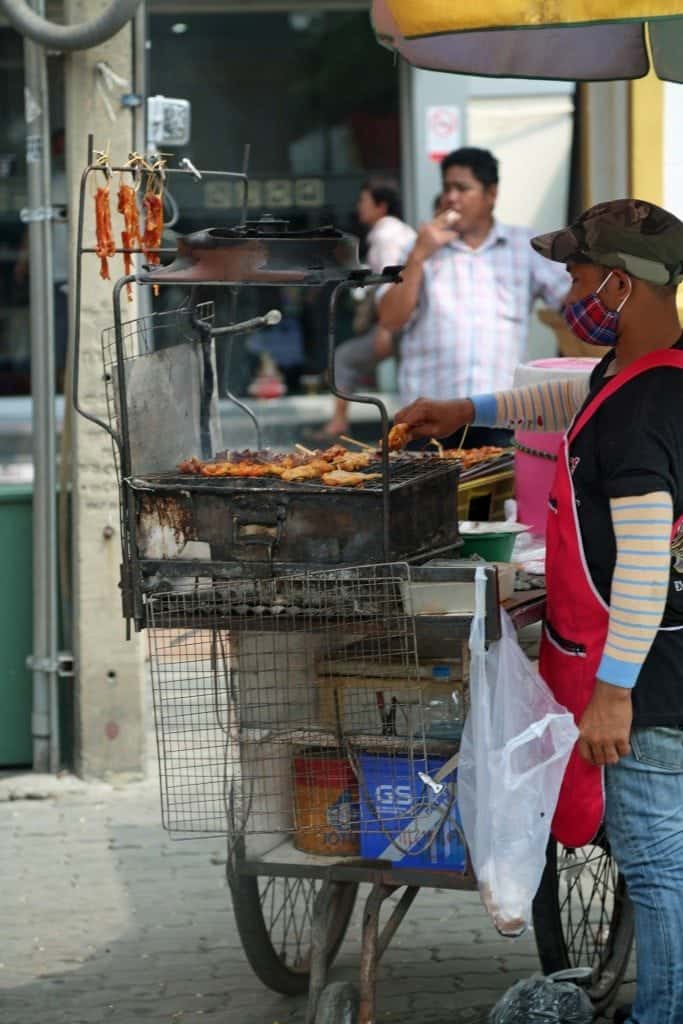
x=531 y=136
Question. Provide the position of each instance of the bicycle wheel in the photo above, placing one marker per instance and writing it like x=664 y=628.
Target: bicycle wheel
x=274 y=917
x=583 y=917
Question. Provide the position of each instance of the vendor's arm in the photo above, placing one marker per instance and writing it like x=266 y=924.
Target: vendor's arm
x=549 y=406
x=397 y=303
x=642 y=529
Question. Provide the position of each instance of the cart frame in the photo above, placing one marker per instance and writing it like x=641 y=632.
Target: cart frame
x=338 y=881
x=343 y=1003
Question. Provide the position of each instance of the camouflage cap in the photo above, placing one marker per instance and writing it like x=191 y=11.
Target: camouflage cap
x=639 y=237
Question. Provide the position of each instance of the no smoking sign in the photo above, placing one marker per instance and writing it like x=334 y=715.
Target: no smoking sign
x=443 y=131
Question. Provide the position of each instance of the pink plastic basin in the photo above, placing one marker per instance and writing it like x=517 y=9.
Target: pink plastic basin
x=534 y=477
x=533 y=473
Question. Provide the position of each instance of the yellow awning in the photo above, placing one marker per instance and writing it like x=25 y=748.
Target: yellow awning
x=589 y=40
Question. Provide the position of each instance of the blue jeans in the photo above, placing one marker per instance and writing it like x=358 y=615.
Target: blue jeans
x=644 y=821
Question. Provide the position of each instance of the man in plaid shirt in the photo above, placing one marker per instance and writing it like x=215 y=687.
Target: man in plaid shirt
x=468 y=287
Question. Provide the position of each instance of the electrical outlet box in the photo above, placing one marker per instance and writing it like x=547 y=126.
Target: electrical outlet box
x=168 y=122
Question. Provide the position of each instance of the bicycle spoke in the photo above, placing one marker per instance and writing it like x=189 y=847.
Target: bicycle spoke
x=288 y=913
x=588 y=877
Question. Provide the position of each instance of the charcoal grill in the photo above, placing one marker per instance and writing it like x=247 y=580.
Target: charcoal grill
x=162 y=404
x=262 y=527
x=163 y=407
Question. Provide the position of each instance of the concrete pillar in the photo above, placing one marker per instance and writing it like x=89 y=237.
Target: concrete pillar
x=673 y=148
x=109 y=706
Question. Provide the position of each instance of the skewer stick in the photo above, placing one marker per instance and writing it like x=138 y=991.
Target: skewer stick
x=464 y=435
x=306 y=451
x=361 y=444
x=438 y=446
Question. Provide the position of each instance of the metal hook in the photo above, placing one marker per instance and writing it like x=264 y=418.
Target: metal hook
x=188 y=165
x=102 y=163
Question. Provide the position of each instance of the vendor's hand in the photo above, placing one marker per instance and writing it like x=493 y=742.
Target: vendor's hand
x=605 y=725
x=428 y=417
x=436 y=233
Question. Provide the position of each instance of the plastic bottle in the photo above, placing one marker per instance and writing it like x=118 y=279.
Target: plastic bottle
x=444 y=718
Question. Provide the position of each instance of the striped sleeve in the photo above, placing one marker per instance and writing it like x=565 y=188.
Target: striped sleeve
x=642 y=528
x=550 y=406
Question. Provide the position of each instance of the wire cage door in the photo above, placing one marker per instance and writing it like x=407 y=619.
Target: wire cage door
x=159 y=378
x=300 y=711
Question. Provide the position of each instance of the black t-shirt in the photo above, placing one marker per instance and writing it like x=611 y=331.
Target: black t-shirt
x=634 y=445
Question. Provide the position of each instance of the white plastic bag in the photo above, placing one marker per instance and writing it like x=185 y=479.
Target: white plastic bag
x=515 y=748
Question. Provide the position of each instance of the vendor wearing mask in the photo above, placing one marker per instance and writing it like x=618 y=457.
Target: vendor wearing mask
x=612 y=649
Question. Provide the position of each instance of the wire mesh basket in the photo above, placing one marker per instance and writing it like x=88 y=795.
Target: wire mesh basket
x=300 y=709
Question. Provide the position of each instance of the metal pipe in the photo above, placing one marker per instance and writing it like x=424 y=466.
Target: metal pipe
x=208 y=381
x=323 y=909
x=368 y=956
x=140 y=77
x=269 y=319
x=397 y=916
x=29 y=20
x=123 y=438
x=45 y=713
x=363 y=399
x=226 y=371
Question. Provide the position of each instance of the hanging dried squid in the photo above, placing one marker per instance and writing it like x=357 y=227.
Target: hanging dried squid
x=105 y=245
x=153 y=204
x=130 y=235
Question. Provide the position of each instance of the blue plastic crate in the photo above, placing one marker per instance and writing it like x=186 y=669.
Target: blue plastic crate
x=402 y=820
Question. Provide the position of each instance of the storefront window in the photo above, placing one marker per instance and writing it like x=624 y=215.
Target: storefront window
x=317 y=100
x=15 y=361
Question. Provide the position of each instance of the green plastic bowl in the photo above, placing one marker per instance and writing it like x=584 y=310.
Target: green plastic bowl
x=494 y=547
x=492 y=541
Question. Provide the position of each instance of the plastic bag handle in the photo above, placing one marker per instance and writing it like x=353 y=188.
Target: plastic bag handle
x=477 y=640
x=532 y=732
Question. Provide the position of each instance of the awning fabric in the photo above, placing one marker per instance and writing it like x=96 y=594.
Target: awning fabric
x=577 y=40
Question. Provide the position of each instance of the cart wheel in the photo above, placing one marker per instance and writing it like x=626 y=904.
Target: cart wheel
x=583 y=916
x=339 y=1003
x=274 y=917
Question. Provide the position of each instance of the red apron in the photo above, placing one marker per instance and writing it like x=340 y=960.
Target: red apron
x=577 y=620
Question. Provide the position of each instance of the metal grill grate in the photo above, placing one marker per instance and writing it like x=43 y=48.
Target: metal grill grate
x=403 y=469
x=298 y=710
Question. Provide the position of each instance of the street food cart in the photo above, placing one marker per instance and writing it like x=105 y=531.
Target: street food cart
x=308 y=618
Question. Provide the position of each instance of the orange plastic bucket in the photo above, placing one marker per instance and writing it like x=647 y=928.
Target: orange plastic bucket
x=326 y=805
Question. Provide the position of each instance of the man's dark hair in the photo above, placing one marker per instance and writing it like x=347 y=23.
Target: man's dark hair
x=481 y=162
x=384 y=190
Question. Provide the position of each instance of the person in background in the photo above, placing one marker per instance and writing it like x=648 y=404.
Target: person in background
x=612 y=646
x=379 y=210
x=467 y=291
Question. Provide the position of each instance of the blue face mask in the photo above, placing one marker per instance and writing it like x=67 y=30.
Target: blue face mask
x=590 y=319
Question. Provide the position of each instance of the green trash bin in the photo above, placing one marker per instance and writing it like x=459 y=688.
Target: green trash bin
x=16 y=611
